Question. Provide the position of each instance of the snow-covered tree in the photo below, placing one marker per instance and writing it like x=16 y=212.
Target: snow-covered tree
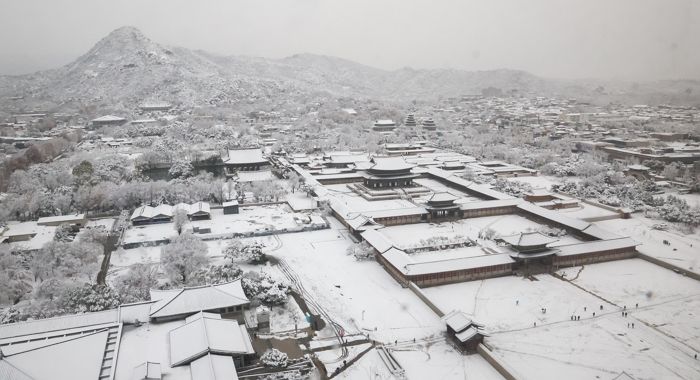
x=89 y=298
x=361 y=250
x=76 y=260
x=181 y=168
x=274 y=358
x=180 y=220
x=136 y=284
x=233 y=250
x=251 y=253
x=16 y=281
x=218 y=274
x=263 y=287
x=183 y=258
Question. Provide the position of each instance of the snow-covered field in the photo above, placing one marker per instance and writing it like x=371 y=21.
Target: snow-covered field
x=599 y=348
x=683 y=251
x=660 y=346
x=667 y=301
x=492 y=302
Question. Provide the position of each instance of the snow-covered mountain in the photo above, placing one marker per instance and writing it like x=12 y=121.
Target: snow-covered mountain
x=126 y=67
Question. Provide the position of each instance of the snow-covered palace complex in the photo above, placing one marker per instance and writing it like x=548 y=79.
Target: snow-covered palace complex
x=402 y=207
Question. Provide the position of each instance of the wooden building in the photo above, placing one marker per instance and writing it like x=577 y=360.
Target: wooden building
x=230 y=207
x=441 y=206
x=384 y=126
x=464 y=332
x=245 y=160
x=389 y=172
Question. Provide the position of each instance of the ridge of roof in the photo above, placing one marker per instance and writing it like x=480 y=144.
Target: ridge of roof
x=167 y=303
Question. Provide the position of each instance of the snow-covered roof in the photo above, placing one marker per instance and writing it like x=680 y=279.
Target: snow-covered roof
x=229 y=203
x=245 y=156
x=481 y=205
x=395 y=212
x=553 y=216
x=398 y=259
x=199 y=208
x=462 y=263
x=65 y=322
x=595 y=246
x=467 y=334
x=349 y=158
x=361 y=223
x=442 y=197
x=10 y=372
x=528 y=239
x=143 y=212
x=60 y=218
x=147 y=371
x=390 y=164
x=384 y=122
x=213 y=367
x=207 y=333
x=77 y=358
x=21 y=228
x=377 y=240
x=148 y=212
x=107 y=118
x=458 y=320
x=600 y=233
x=163 y=210
x=482 y=190
x=195 y=299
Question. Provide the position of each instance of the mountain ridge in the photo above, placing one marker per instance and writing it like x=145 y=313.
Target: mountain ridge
x=126 y=67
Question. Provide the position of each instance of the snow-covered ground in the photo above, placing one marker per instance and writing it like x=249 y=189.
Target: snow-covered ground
x=360 y=295
x=667 y=301
x=438 y=187
x=599 y=348
x=424 y=361
x=539 y=182
x=660 y=346
x=250 y=219
x=492 y=302
x=356 y=203
x=683 y=251
x=411 y=234
x=585 y=211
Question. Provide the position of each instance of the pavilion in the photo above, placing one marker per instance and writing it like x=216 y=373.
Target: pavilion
x=389 y=172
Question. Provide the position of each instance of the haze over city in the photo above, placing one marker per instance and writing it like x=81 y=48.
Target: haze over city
x=625 y=39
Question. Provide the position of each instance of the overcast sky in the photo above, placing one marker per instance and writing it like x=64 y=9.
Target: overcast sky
x=611 y=39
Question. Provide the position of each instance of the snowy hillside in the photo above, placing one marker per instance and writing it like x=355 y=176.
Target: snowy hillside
x=127 y=67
